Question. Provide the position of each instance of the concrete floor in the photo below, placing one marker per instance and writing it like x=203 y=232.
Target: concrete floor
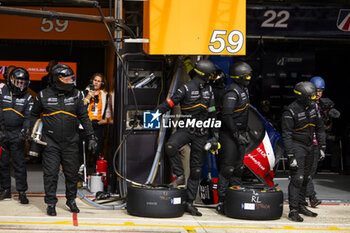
x=334 y=215
x=15 y=217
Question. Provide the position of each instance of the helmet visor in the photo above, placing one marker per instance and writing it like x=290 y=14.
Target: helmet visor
x=68 y=79
x=247 y=76
x=210 y=76
x=20 y=83
x=313 y=97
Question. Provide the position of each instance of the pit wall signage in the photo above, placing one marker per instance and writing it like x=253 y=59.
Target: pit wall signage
x=298 y=20
x=197 y=27
x=20 y=27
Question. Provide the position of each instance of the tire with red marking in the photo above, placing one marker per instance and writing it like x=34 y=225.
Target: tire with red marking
x=253 y=203
x=156 y=202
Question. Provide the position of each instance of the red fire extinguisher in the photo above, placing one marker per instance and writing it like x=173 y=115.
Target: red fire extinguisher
x=101 y=168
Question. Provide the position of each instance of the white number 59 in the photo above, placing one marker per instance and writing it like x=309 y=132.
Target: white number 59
x=48 y=25
x=235 y=39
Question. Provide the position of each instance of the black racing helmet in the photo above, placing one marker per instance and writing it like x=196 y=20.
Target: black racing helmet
x=18 y=80
x=241 y=72
x=305 y=92
x=219 y=79
x=63 y=78
x=205 y=69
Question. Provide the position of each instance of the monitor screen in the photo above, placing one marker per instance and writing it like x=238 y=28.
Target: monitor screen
x=36 y=69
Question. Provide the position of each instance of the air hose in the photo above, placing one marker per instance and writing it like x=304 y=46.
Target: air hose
x=105 y=207
x=87 y=200
x=162 y=131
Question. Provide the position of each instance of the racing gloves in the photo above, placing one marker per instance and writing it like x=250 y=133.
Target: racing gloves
x=322 y=153
x=241 y=138
x=213 y=145
x=92 y=144
x=23 y=135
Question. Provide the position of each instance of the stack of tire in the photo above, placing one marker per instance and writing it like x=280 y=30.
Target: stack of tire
x=253 y=203
x=156 y=202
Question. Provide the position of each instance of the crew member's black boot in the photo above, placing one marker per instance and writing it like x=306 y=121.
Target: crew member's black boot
x=5 y=194
x=192 y=210
x=72 y=206
x=180 y=180
x=303 y=210
x=314 y=201
x=220 y=208
x=294 y=216
x=22 y=197
x=51 y=210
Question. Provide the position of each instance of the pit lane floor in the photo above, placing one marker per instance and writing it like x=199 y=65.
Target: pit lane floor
x=333 y=216
x=15 y=217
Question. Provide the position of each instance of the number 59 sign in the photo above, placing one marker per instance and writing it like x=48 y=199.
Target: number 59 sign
x=195 y=27
x=52 y=29
x=231 y=42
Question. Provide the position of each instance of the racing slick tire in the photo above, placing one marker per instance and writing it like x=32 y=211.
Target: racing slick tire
x=156 y=202
x=253 y=203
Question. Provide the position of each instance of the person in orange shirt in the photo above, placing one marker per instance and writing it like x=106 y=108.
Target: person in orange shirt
x=97 y=101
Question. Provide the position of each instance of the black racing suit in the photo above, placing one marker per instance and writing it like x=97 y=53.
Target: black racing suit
x=234 y=114
x=16 y=115
x=197 y=102
x=61 y=115
x=299 y=124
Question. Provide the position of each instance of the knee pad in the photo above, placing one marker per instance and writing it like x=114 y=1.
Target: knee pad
x=227 y=172
x=196 y=173
x=170 y=150
x=298 y=180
